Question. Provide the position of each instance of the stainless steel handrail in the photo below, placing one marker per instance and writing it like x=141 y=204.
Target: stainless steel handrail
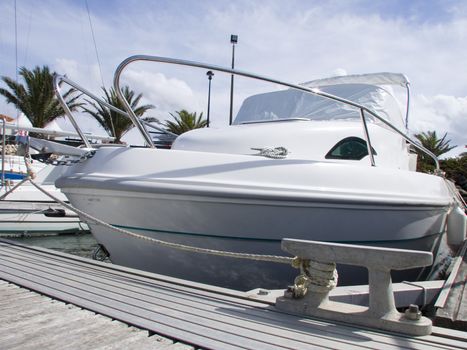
x=56 y=82
x=407 y=86
x=367 y=137
x=3 y=151
x=59 y=78
x=127 y=107
x=175 y=61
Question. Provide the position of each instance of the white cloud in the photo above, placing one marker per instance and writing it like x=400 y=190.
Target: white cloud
x=445 y=114
x=167 y=94
x=296 y=41
x=70 y=67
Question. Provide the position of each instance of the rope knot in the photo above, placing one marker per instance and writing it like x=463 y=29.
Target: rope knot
x=314 y=276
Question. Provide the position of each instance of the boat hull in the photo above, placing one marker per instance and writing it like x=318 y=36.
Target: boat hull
x=28 y=218
x=247 y=227
x=248 y=204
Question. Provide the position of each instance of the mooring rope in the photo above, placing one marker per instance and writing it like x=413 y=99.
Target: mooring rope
x=314 y=276
x=14 y=188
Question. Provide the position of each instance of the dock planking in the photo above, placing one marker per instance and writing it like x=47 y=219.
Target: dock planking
x=185 y=313
x=452 y=310
x=32 y=321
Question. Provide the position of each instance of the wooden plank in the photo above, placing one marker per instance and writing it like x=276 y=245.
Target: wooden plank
x=32 y=266
x=38 y=315
x=243 y=324
x=304 y=329
x=165 y=326
x=7 y=296
x=44 y=334
x=66 y=326
x=453 y=312
x=450 y=333
x=109 y=284
x=99 y=333
x=180 y=346
x=118 y=269
x=31 y=270
x=137 y=342
x=128 y=283
x=443 y=295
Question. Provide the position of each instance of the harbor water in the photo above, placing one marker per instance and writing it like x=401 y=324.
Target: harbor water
x=81 y=244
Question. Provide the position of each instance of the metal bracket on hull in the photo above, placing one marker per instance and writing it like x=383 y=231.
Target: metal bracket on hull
x=381 y=312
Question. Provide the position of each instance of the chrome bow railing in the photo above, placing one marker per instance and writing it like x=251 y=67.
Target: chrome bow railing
x=3 y=152
x=363 y=110
x=60 y=78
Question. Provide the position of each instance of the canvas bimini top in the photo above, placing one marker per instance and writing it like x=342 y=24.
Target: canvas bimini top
x=369 y=90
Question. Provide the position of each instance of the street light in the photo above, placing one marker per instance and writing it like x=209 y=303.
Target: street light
x=210 y=74
x=233 y=41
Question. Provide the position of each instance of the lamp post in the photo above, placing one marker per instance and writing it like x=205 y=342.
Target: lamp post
x=233 y=41
x=210 y=74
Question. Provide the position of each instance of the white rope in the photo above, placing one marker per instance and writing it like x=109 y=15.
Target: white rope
x=314 y=277
x=14 y=188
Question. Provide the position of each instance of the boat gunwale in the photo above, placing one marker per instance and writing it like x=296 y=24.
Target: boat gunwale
x=118 y=187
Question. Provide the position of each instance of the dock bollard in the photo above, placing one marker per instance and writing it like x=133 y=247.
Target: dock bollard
x=381 y=313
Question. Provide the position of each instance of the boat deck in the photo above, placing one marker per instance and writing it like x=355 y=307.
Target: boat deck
x=177 y=312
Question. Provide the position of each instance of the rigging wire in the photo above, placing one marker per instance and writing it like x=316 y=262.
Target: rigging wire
x=98 y=60
x=94 y=41
x=27 y=38
x=16 y=60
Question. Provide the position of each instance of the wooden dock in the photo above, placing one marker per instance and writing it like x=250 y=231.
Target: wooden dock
x=32 y=321
x=154 y=311
x=452 y=303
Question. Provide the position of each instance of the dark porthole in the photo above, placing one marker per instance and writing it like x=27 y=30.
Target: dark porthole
x=350 y=148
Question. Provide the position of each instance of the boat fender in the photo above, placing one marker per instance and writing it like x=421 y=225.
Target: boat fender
x=54 y=213
x=456 y=226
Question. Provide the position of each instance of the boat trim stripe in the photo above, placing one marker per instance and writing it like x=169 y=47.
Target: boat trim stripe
x=262 y=239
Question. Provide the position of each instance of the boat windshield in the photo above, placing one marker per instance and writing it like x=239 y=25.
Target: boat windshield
x=295 y=104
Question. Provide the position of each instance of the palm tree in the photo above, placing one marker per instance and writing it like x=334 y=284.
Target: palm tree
x=36 y=99
x=185 y=121
x=115 y=124
x=431 y=142
x=437 y=146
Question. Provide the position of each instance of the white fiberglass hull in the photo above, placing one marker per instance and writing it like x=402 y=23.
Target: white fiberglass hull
x=246 y=204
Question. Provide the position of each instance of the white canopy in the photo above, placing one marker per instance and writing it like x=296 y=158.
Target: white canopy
x=370 y=79
x=287 y=104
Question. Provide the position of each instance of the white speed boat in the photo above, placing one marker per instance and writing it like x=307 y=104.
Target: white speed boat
x=328 y=160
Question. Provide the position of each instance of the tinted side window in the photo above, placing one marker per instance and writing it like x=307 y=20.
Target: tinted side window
x=350 y=148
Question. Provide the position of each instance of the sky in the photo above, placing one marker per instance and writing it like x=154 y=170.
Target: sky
x=294 y=40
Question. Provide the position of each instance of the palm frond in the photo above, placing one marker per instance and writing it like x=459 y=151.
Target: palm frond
x=35 y=97
x=185 y=121
x=114 y=123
